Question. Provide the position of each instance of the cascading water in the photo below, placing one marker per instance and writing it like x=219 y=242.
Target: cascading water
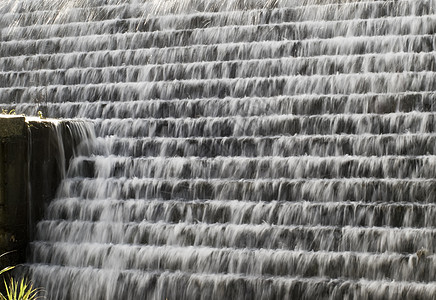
x=244 y=150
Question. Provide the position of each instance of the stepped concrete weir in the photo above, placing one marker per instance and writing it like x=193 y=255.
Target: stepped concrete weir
x=235 y=149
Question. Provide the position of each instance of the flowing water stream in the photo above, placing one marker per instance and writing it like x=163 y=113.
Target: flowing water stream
x=243 y=149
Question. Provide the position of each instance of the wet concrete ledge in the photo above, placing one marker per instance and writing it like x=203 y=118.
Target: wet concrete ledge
x=32 y=163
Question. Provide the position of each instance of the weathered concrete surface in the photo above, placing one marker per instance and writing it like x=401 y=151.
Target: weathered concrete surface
x=47 y=163
x=12 y=126
x=14 y=198
x=32 y=162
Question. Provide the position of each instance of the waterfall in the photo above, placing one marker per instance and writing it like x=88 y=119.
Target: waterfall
x=243 y=149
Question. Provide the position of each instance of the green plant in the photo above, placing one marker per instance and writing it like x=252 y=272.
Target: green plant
x=4 y=270
x=6 y=112
x=22 y=290
x=15 y=290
